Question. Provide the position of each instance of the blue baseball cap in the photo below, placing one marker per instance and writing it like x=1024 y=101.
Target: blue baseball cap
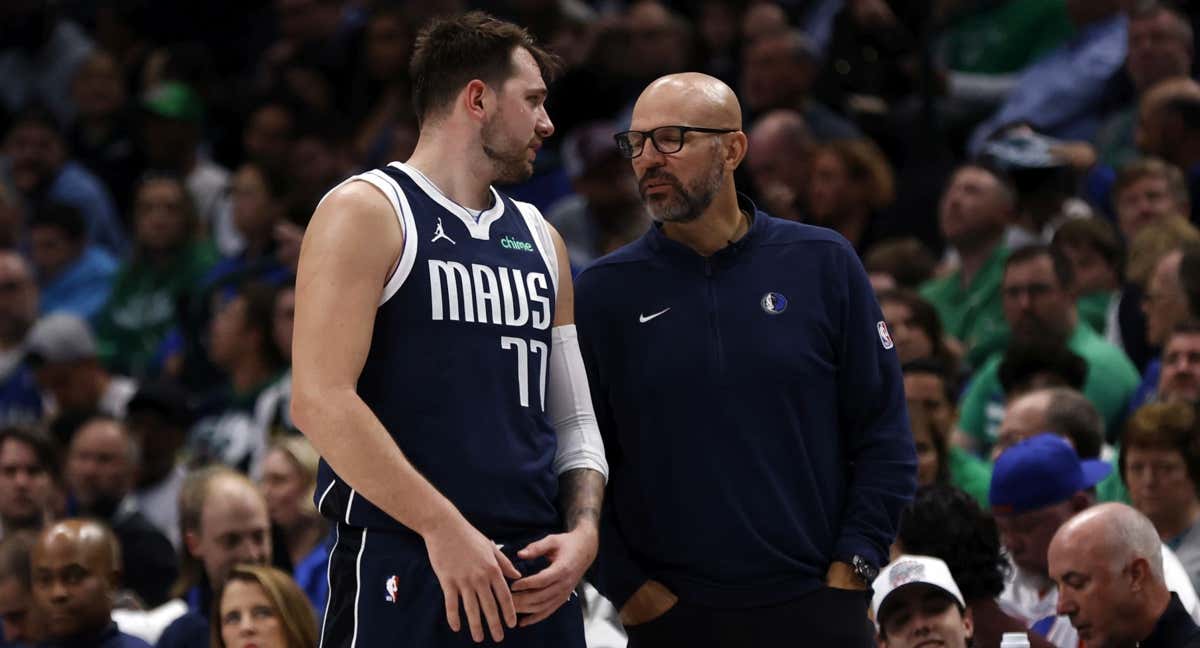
x=1041 y=471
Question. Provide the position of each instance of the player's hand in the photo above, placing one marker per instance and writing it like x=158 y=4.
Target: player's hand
x=471 y=568
x=570 y=554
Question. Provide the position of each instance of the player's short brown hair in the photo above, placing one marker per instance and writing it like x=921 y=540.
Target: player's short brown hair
x=451 y=52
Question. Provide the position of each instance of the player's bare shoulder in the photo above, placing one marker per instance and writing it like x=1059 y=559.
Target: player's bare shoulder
x=356 y=223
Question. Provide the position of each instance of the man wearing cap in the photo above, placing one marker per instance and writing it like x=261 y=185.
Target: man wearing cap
x=171 y=138
x=916 y=601
x=1108 y=565
x=62 y=352
x=1037 y=485
x=159 y=417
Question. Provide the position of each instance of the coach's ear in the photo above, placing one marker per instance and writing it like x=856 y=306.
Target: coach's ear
x=735 y=149
x=477 y=99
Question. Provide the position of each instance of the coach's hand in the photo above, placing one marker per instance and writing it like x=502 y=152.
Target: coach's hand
x=570 y=554
x=841 y=576
x=470 y=567
x=649 y=602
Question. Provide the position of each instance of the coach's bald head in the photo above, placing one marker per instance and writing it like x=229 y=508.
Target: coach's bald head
x=680 y=186
x=688 y=98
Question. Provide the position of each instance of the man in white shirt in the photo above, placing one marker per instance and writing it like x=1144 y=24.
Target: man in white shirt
x=63 y=353
x=1037 y=485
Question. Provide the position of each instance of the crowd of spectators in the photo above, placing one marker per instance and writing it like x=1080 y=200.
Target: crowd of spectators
x=1021 y=179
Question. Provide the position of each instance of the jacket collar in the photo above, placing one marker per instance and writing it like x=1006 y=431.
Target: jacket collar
x=663 y=244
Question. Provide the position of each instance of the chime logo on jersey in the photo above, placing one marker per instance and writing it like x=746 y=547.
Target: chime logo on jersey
x=393 y=587
x=488 y=295
x=774 y=303
x=884 y=337
x=510 y=243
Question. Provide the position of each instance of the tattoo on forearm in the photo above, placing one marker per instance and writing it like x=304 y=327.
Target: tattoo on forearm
x=581 y=492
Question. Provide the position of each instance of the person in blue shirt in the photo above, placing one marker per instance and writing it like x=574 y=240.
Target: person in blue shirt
x=76 y=567
x=38 y=166
x=74 y=276
x=1063 y=94
x=750 y=400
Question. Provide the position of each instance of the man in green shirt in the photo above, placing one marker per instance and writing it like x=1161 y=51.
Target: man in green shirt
x=975 y=209
x=1039 y=304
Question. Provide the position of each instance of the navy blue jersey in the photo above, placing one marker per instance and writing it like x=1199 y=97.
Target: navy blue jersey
x=456 y=371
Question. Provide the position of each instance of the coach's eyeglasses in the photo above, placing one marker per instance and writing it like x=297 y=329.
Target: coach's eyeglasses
x=667 y=139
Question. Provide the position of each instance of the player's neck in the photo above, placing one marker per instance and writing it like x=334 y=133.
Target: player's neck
x=721 y=224
x=456 y=168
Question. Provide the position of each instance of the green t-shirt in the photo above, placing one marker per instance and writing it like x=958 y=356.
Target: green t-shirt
x=1112 y=489
x=1006 y=38
x=1111 y=380
x=144 y=305
x=974 y=314
x=970 y=474
x=1114 y=140
x=1093 y=309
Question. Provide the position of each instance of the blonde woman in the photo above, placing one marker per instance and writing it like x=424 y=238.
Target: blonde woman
x=262 y=607
x=299 y=533
x=851 y=183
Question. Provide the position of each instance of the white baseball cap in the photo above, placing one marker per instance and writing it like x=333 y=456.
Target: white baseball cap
x=912 y=570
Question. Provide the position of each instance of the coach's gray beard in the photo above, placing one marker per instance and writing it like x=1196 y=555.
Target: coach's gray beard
x=685 y=205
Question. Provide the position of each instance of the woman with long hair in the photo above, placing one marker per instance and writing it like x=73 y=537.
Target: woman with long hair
x=300 y=535
x=262 y=607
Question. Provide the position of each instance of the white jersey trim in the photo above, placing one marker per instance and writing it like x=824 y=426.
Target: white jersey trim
x=408 y=224
x=408 y=227
x=328 y=574
x=478 y=229
x=321 y=502
x=358 y=586
x=350 y=504
x=541 y=237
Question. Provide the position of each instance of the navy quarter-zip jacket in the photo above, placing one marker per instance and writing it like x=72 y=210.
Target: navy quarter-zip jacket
x=753 y=414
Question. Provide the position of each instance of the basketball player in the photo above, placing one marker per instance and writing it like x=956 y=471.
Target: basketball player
x=437 y=371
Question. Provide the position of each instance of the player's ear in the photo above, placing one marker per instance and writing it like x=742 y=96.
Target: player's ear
x=475 y=98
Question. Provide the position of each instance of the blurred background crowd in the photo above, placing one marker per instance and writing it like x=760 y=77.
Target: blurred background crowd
x=1021 y=179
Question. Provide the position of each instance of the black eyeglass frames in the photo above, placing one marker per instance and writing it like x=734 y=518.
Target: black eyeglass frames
x=667 y=139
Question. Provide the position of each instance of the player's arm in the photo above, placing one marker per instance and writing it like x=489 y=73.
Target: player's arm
x=348 y=251
x=579 y=462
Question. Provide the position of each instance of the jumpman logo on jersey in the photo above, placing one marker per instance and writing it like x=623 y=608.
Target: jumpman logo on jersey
x=440 y=233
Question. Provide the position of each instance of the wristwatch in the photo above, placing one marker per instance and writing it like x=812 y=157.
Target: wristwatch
x=864 y=569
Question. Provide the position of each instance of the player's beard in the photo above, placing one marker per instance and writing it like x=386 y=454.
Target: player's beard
x=683 y=204
x=509 y=158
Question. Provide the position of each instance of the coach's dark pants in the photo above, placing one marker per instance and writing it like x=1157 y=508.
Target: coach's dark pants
x=826 y=617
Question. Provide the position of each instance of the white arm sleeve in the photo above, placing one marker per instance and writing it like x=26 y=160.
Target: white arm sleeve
x=569 y=406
